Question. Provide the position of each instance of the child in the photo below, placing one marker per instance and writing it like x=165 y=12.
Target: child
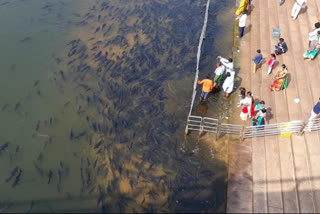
x=271 y=63
x=242 y=23
x=257 y=60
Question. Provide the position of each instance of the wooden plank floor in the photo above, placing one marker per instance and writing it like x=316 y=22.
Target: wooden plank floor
x=278 y=174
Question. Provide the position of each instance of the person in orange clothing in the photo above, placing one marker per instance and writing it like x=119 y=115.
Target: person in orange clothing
x=206 y=88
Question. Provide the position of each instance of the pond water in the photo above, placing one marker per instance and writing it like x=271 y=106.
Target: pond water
x=94 y=99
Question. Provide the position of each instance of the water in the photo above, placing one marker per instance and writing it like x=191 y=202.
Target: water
x=94 y=98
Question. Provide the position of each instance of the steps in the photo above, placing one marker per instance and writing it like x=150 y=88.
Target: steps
x=285 y=172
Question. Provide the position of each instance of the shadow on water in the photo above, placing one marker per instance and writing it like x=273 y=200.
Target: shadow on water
x=115 y=142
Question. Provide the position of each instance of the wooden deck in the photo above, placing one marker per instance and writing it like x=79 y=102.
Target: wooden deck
x=278 y=174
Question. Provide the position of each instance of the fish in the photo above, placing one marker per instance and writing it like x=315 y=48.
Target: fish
x=88 y=176
x=95 y=163
x=17 y=106
x=66 y=104
x=88 y=161
x=13 y=173
x=71 y=135
x=31 y=206
x=82 y=179
x=26 y=39
x=76 y=15
x=98 y=144
x=17 y=149
x=36 y=83
x=61 y=165
x=17 y=180
x=38 y=125
x=50 y=174
x=81 y=134
x=39 y=170
x=50 y=121
x=97 y=29
x=4 y=147
x=4 y=107
x=40 y=157
x=62 y=75
x=103 y=26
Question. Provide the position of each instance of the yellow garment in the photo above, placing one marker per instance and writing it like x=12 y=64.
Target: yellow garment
x=242 y=7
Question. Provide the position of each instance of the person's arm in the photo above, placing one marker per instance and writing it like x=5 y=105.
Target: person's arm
x=200 y=82
x=316 y=117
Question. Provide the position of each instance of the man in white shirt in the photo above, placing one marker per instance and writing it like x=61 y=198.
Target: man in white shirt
x=296 y=8
x=242 y=23
x=230 y=73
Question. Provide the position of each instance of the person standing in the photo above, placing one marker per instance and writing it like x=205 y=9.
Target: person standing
x=243 y=6
x=297 y=7
x=228 y=84
x=229 y=81
x=242 y=23
x=315 y=113
x=257 y=60
x=218 y=75
x=271 y=63
x=206 y=88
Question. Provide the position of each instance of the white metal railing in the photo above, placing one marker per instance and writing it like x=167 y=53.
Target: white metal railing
x=194 y=123
x=273 y=129
x=202 y=36
x=231 y=129
x=312 y=125
x=211 y=125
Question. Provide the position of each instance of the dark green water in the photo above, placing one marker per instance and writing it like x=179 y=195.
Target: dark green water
x=94 y=99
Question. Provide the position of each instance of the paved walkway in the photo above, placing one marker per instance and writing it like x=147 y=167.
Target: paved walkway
x=278 y=174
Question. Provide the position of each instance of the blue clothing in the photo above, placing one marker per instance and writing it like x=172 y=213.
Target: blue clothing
x=258 y=59
x=316 y=108
x=241 y=32
x=205 y=95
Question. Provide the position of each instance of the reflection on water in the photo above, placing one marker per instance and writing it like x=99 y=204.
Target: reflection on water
x=94 y=101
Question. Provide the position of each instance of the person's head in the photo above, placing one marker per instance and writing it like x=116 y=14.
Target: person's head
x=249 y=93
x=318 y=33
x=228 y=74
x=219 y=64
x=317 y=25
x=242 y=92
x=230 y=60
x=208 y=76
x=264 y=110
x=284 y=66
x=258 y=51
x=261 y=102
x=273 y=55
x=281 y=40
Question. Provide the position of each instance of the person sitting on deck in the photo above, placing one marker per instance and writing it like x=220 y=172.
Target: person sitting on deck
x=281 y=79
x=313 y=48
x=281 y=47
x=313 y=35
x=219 y=73
x=259 y=106
x=207 y=87
x=259 y=118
